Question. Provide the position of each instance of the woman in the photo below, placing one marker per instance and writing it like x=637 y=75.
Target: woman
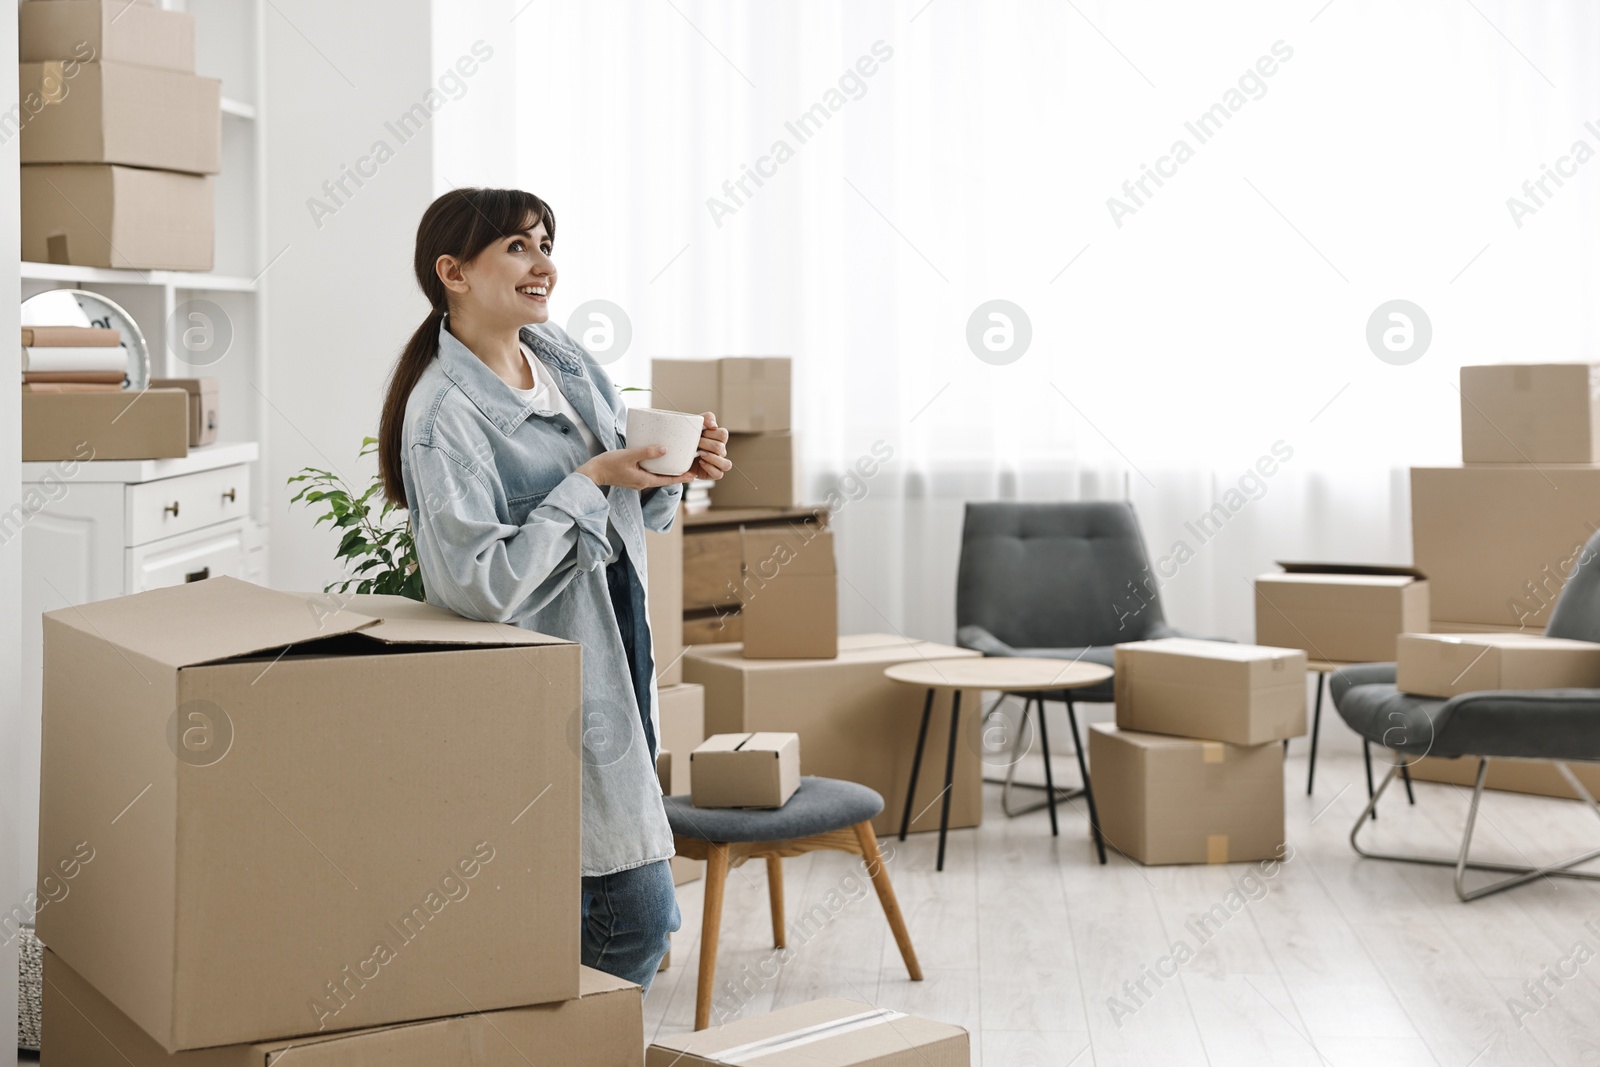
x=501 y=435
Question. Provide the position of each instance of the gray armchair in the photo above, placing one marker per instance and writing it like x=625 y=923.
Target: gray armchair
x=1065 y=581
x=1560 y=725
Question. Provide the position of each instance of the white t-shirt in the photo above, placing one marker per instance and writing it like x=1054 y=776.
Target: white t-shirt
x=547 y=396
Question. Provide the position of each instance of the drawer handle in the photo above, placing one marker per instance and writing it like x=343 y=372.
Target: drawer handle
x=198 y=576
x=171 y=509
x=231 y=496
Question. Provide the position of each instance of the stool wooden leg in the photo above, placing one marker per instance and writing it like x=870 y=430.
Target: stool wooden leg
x=775 y=891
x=710 y=924
x=886 y=897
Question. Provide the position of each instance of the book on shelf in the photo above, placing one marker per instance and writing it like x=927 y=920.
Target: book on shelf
x=74 y=358
x=96 y=377
x=71 y=387
x=70 y=337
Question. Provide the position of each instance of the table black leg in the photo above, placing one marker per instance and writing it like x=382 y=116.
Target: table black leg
x=1405 y=774
x=949 y=770
x=1049 y=775
x=1316 y=725
x=1366 y=754
x=1083 y=769
x=916 y=764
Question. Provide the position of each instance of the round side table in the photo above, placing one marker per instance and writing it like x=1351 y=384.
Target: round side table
x=1009 y=674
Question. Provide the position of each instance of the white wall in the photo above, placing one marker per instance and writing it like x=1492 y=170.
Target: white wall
x=12 y=803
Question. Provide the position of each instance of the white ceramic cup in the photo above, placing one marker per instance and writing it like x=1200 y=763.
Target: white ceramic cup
x=679 y=431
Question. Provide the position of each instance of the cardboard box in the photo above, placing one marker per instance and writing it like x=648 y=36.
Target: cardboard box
x=853 y=722
x=1498 y=542
x=121 y=113
x=109 y=31
x=602 y=1025
x=790 y=594
x=664 y=771
x=682 y=717
x=306 y=810
x=821 y=1033
x=203 y=404
x=766 y=472
x=664 y=600
x=1168 y=799
x=123 y=217
x=1439 y=626
x=1444 y=665
x=1530 y=413
x=712 y=562
x=126 y=424
x=1342 y=618
x=716 y=626
x=1211 y=690
x=748 y=394
x=1537 y=777
x=760 y=770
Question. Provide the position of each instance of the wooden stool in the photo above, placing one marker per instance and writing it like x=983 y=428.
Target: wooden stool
x=824 y=813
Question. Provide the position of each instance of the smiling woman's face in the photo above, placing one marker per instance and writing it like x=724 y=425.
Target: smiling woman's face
x=508 y=284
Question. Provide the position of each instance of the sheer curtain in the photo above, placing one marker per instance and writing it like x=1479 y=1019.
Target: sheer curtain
x=1190 y=311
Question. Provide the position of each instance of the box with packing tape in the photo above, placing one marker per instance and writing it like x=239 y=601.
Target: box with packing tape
x=1341 y=613
x=821 y=1033
x=111 y=30
x=766 y=472
x=757 y=770
x=1530 y=413
x=1168 y=799
x=1446 y=665
x=1244 y=694
x=198 y=716
x=603 y=1025
x=789 y=588
x=748 y=394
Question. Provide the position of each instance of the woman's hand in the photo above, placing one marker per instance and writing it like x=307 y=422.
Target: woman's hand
x=620 y=466
x=711 y=461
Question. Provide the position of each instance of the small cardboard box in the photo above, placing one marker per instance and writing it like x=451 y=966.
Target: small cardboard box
x=821 y=1033
x=603 y=1025
x=126 y=424
x=1176 y=800
x=853 y=722
x=748 y=394
x=1339 y=617
x=90 y=215
x=765 y=474
x=1530 y=413
x=1444 y=665
x=121 y=113
x=664 y=599
x=107 y=30
x=303 y=808
x=1499 y=542
x=760 y=770
x=789 y=589
x=203 y=405
x=1212 y=690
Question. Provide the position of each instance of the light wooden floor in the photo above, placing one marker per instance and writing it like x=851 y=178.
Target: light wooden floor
x=1342 y=961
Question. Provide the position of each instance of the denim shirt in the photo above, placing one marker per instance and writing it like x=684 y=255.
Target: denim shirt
x=507 y=531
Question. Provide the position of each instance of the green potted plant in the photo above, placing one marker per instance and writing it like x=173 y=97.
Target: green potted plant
x=378 y=546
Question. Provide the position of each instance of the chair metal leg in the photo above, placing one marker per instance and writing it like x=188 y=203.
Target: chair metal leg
x=1366 y=754
x=1088 y=791
x=1316 y=727
x=1405 y=776
x=886 y=897
x=775 y=893
x=1049 y=775
x=1009 y=782
x=916 y=764
x=949 y=771
x=710 y=925
x=1522 y=873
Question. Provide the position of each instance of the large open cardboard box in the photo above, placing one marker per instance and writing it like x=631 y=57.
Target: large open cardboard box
x=307 y=812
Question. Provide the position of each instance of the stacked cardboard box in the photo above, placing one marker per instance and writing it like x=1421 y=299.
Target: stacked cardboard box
x=751 y=399
x=1340 y=613
x=119 y=137
x=1499 y=536
x=302 y=817
x=1193 y=770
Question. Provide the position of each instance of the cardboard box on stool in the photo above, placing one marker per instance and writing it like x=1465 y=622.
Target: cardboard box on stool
x=853 y=722
x=1244 y=694
x=603 y=1026
x=759 y=770
x=1339 y=617
x=1445 y=665
x=285 y=793
x=1168 y=799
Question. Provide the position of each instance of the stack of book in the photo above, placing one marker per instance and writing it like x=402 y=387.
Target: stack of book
x=72 y=359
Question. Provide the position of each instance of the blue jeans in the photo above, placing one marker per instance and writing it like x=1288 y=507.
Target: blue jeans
x=626 y=919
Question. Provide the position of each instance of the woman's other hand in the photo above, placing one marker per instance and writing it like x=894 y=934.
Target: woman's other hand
x=711 y=460
x=620 y=466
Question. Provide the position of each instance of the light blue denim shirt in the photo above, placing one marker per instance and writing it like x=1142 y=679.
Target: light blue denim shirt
x=507 y=531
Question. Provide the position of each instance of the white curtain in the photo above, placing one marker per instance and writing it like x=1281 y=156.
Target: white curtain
x=1355 y=153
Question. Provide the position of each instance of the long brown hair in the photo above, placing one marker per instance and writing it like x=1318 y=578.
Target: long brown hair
x=461 y=223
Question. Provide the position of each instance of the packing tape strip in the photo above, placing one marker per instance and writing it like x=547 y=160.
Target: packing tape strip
x=769 y=1046
x=1212 y=751
x=1217 y=848
x=53 y=81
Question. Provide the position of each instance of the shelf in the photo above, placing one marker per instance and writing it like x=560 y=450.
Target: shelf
x=178 y=279
x=238 y=109
x=203 y=458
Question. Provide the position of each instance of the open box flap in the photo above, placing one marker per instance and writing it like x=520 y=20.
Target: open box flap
x=402 y=620
x=215 y=619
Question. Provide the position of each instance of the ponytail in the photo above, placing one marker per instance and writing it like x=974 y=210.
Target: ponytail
x=419 y=352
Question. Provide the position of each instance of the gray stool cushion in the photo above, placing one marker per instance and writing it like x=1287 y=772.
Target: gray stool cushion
x=819 y=806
